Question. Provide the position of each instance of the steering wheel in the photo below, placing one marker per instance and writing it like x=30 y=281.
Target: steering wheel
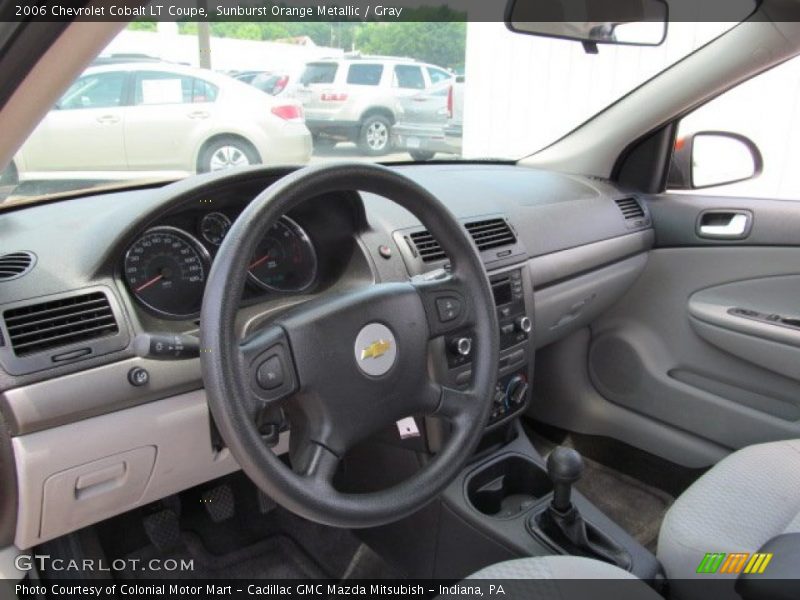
x=345 y=366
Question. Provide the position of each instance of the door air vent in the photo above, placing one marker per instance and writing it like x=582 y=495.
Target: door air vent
x=15 y=265
x=487 y=234
x=38 y=327
x=630 y=208
x=491 y=233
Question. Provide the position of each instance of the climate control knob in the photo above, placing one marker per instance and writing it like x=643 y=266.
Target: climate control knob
x=461 y=346
x=524 y=324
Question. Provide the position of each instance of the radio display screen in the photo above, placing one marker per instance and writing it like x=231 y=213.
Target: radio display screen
x=502 y=292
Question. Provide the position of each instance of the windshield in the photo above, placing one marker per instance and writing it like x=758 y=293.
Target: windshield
x=157 y=105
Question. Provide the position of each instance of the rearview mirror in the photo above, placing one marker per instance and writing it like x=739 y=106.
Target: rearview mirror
x=627 y=22
x=712 y=158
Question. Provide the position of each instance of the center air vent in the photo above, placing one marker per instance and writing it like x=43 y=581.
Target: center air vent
x=15 y=265
x=487 y=234
x=38 y=327
x=491 y=233
x=631 y=209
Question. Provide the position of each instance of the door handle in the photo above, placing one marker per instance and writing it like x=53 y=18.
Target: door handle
x=198 y=114
x=108 y=119
x=725 y=224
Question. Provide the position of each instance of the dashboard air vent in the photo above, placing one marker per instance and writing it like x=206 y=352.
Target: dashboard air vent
x=38 y=327
x=491 y=233
x=630 y=207
x=427 y=247
x=15 y=265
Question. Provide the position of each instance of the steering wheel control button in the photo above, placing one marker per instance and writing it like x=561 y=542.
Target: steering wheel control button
x=375 y=349
x=138 y=376
x=270 y=373
x=449 y=308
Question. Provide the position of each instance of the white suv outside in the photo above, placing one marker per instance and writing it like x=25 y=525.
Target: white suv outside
x=355 y=98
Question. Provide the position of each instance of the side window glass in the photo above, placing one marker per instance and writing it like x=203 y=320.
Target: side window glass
x=202 y=91
x=365 y=74
x=101 y=90
x=719 y=146
x=438 y=75
x=409 y=77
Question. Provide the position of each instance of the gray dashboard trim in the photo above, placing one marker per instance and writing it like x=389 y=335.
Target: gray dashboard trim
x=552 y=268
x=94 y=392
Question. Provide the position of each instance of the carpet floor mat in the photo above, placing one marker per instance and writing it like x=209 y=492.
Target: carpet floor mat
x=277 y=557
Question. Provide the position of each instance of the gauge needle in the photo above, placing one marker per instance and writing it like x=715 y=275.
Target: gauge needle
x=255 y=263
x=147 y=284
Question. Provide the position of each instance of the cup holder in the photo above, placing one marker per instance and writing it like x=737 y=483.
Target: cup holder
x=507 y=487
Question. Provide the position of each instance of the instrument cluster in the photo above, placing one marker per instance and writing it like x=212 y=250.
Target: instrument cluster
x=165 y=268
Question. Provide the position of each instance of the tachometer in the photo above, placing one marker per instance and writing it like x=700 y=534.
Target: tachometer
x=165 y=270
x=285 y=260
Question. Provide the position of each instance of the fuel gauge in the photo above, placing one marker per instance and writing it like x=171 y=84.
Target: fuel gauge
x=214 y=226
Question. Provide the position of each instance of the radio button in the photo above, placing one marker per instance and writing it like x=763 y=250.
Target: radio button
x=524 y=324
x=461 y=346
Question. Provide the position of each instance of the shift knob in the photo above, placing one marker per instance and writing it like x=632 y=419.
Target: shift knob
x=564 y=467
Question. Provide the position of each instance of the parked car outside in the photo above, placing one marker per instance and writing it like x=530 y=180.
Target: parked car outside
x=139 y=119
x=454 y=129
x=244 y=76
x=355 y=98
x=267 y=81
x=422 y=120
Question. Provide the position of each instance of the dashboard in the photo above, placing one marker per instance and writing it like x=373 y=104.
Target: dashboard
x=109 y=266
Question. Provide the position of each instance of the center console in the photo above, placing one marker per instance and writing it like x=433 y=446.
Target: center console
x=511 y=394
x=507 y=502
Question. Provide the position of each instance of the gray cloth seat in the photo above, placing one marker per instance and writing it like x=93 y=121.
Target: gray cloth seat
x=563 y=578
x=749 y=497
x=552 y=567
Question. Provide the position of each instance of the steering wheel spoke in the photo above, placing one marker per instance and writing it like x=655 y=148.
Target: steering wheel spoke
x=442 y=401
x=316 y=462
x=447 y=304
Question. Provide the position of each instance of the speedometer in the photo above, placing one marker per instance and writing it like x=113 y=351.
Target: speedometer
x=166 y=270
x=284 y=260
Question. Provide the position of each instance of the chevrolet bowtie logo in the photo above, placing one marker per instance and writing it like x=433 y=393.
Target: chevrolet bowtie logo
x=376 y=349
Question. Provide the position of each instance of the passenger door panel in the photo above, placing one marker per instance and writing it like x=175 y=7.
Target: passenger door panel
x=672 y=350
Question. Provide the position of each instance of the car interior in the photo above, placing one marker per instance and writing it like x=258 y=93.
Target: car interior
x=577 y=366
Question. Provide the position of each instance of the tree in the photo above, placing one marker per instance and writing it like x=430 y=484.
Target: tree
x=142 y=26
x=335 y=34
x=441 y=43
x=436 y=38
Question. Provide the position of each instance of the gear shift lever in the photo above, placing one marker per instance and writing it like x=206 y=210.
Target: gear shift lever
x=564 y=467
x=563 y=523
